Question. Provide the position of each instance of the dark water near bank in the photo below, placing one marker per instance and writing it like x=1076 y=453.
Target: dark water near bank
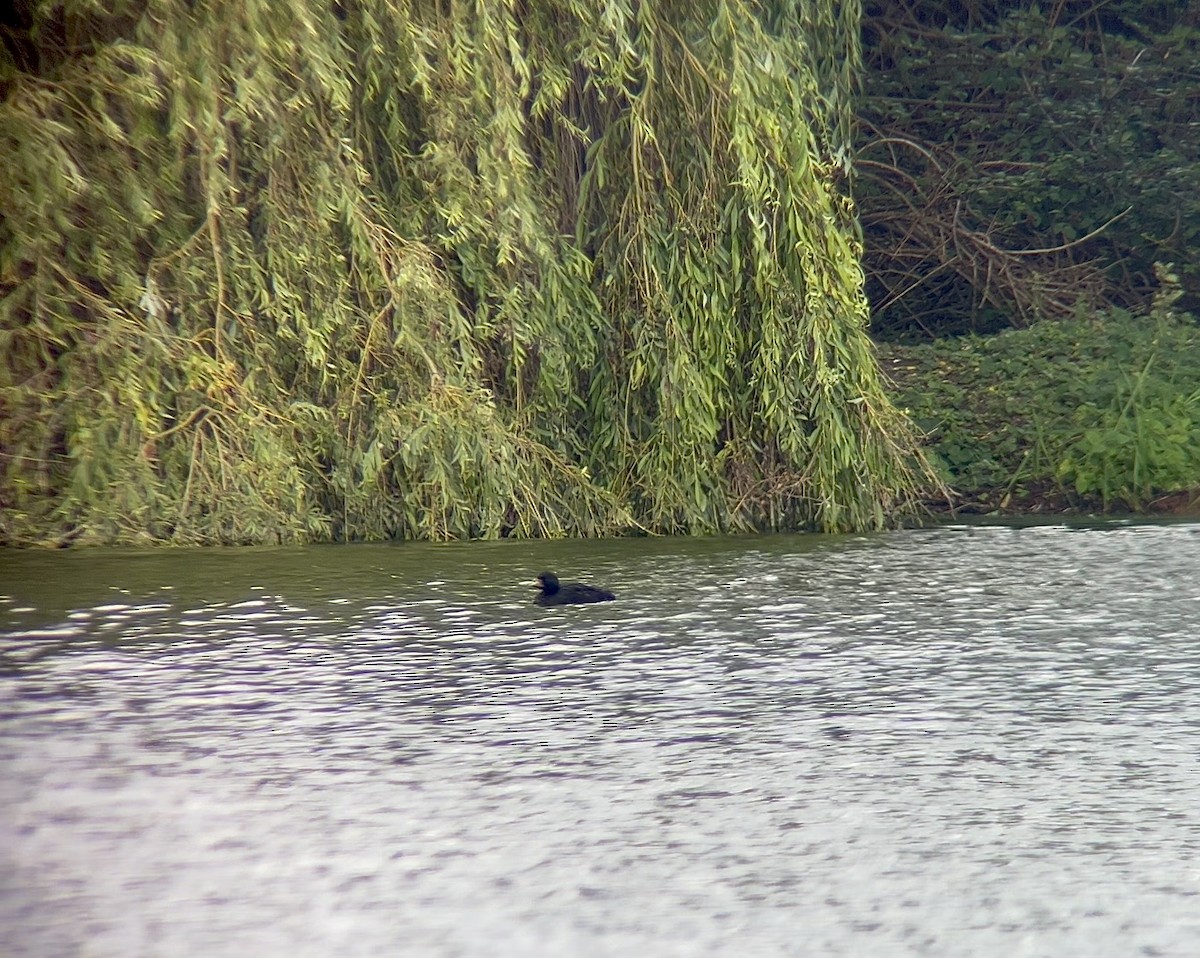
x=963 y=741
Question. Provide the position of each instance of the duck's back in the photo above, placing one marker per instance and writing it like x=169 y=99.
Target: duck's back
x=574 y=593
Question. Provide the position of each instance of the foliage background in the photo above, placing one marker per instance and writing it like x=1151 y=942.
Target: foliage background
x=991 y=131
x=1030 y=169
x=295 y=270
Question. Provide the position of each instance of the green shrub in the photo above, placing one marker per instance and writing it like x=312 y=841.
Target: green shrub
x=1102 y=410
x=1146 y=440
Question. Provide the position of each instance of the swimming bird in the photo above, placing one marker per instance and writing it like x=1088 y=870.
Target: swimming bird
x=569 y=593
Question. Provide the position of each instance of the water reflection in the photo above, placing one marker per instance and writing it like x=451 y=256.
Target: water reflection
x=971 y=740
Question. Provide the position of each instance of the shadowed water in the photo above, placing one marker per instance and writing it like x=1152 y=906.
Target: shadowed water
x=960 y=741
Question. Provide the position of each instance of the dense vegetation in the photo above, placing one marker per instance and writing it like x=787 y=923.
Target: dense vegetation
x=1098 y=413
x=1034 y=168
x=299 y=270
x=303 y=270
x=1023 y=161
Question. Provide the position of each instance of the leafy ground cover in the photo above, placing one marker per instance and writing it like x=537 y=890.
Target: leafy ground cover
x=1093 y=414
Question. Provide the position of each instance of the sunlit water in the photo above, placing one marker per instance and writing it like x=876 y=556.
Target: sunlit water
x=968 y=741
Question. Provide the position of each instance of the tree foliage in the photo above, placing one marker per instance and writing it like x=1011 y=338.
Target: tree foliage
x=406 y=268
x=1022 y=161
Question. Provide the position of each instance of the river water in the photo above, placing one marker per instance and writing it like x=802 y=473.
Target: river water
x=969 y=740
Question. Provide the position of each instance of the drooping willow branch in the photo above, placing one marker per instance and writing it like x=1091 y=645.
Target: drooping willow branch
x=289 y=271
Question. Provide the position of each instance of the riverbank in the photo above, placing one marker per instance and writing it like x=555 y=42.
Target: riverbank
x=1095 y=415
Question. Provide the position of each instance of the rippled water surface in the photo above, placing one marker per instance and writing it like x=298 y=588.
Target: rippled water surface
x=959 y=741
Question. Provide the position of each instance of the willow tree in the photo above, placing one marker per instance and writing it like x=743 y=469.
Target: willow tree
x=289 y=270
